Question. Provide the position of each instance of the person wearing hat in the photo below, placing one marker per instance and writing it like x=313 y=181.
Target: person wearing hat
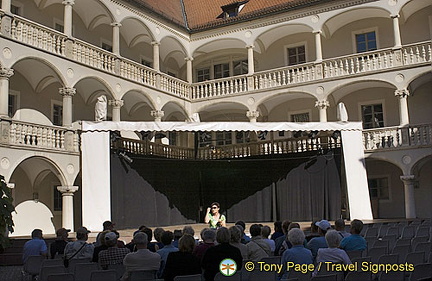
x=79 y=249
x=58 y=246
x=112 y=255
x=107 y=225
x=319 y=242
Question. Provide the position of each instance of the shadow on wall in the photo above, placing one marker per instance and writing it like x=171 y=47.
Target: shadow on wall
x=29 y=215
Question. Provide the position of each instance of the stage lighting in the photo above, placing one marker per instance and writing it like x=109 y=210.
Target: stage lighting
x=123 y=156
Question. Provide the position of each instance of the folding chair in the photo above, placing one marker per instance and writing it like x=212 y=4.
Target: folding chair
x=48 y=270
x=377 y=252
x=408 y=232
x=421 y=271
x=61 y=277
x=142 y=275
x=415 y=258
x=83 y=271
x=402 y=250
x=359 y=276
x=388 y=259
x=32 y=266
x=392 y=276
x=52 y=262
x=119 y=268
x=103 y=275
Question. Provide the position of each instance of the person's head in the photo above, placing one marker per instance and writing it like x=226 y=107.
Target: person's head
x=356 y=226
x=149 y=233
x=140 y=240
x=296 y=236
x=293 y=225
x=285 y=225
x=188 y=230
x=158 y=233
x=108 y=225
x=82 y=233
x=340 y=225
x=62 y=233
x=215 y=208
x=332 y=238
x=209 y=236
x=323 y=227
x=278 y=226
x=236 y=233
x=202 y=232
x=110 y=239
x=265 y=231
x=167 y=237
x=102 y=237
x=255 y=230
x=223 y=235
x=186 y=243
x=177 y=234
x=242 y=224
x=37 y=233
x=314 y=227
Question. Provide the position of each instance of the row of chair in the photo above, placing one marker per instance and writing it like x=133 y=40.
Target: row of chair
x=408 y=231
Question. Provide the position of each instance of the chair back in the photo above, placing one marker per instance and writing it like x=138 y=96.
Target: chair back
x=388 y=259
x=83 y=271
x=52 y=262
x=392 y=276
x=103 y=275
x=402 y=250
x=142 y=275
x=299 y=275
x=421 y=271
x=415 y=258
x=33 y=265
x=331 y=277
x=119 y=268
x=48 y=270
x=408 y=232
x=377 y=252
x=74 y=262
x=61 y=277
x=195 y=277
x=359 y=276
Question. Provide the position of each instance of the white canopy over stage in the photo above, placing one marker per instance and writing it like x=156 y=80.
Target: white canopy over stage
x=95 y=146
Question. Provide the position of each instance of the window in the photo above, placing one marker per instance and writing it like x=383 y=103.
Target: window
x=57 y=113
x=172 y=137
x=58 y=202
x=296 y=55
x=59 y=27
x=232 y=10
x=372 y=116
x=240 y=67
x=106 y=46
x=13 y=104
x=203 y=74
x=378 y=188
x=366 y=42
x=242 y=137
x=204 y=139
x=223 y=138
x=16 y=9
x=221 y=70
x=300 y=117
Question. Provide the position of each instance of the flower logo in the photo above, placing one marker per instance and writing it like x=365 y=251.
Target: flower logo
x=228 y=267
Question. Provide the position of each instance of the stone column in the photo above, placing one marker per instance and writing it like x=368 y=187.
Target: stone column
x=67 y=192
x=116 y=37
x=6 y=5
x=408 y=181
x=156 y=55
x=5 y=74
x=189 y=74
x=251 y=67
x=116 y=106
x=252 y=115
x=318 y=47
x=67 y=94
x=157 y=114
x=403 y=106
x=396 y=32
x=322 y=107
x=67 y=21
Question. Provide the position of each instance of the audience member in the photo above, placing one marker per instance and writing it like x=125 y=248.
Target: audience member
x=287 y=244
x=120 y=243
x=57 y=247
x=340 y=228
x=245 y=239
x=257 y=247
x=139 y=229
x=114 y=254
x=208 y=238
x=214 y=255
x=152 y=246
x=102 y=246
x=332 y=253
x=189 y=230
x=107 y=225
x=354 y=242
x=182 y=262
x=177 y=235
x=79 y=249
x=297 y=254
x=166 y=239
x=142 y=259
x=279 y=241
x=158 y=236
x=265 y=233
x=319 y=242
x=278 y=232
x=236 y=234
x=35 y=247
x=313 y=231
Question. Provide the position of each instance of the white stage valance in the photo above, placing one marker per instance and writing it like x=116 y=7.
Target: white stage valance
x=220 y=126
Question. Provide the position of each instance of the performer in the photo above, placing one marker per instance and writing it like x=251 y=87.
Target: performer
x=213 y=217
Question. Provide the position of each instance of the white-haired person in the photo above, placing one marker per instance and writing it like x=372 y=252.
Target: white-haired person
x=297 y=254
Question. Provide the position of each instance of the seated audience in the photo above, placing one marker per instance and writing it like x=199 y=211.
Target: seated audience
x=257 y=247
x=102 y=246
x=142 y=259
x=340 y=228
x=57 y=247
x=120 y=243
x=297 y=254
x=166 y=239
x=107 y=225
x=189 y=230
x=112 y=255
x=177 y=235
x=214 y=255
x=208 y=237
x=79 y=249
x=279 y=241
x=35 y=247
x=236 y=234
x=313 y=231
x=354 y=242
x=182 y=262
x=158 y=236
x=245 y=239
x=287 y=244
x=277 y=230
x=319 y=242
x=332 y=253
x=265 y=233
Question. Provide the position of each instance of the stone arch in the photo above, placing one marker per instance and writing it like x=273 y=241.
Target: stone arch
x=132 y=23
x=411 y=7
x=173 y=109
x=172 y=47
x=223 y=111
x=87 y=11
x=136 y=104
x=341 y=90
x=218 y=44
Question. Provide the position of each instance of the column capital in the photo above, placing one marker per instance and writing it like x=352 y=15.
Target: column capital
x=402 y=93
x=67 y=190
x=188 y=58
x=68 y=2
x=250 y=46
x=6 y=72
x=408 y=178
x=155 y=43
x=67 y=91
x=322 y=104
x=395 y=16
x=317 y=31
x=252 y=114
x=116 y=24
x=157 y=114
x=116 y=103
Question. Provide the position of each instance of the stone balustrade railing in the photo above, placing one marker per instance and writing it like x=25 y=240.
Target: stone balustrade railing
x=397 y=137
x=219 y=87
x=156 y=149
x=18 y=133
x=93 y=56
x=174 y=86
x=137 y=72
